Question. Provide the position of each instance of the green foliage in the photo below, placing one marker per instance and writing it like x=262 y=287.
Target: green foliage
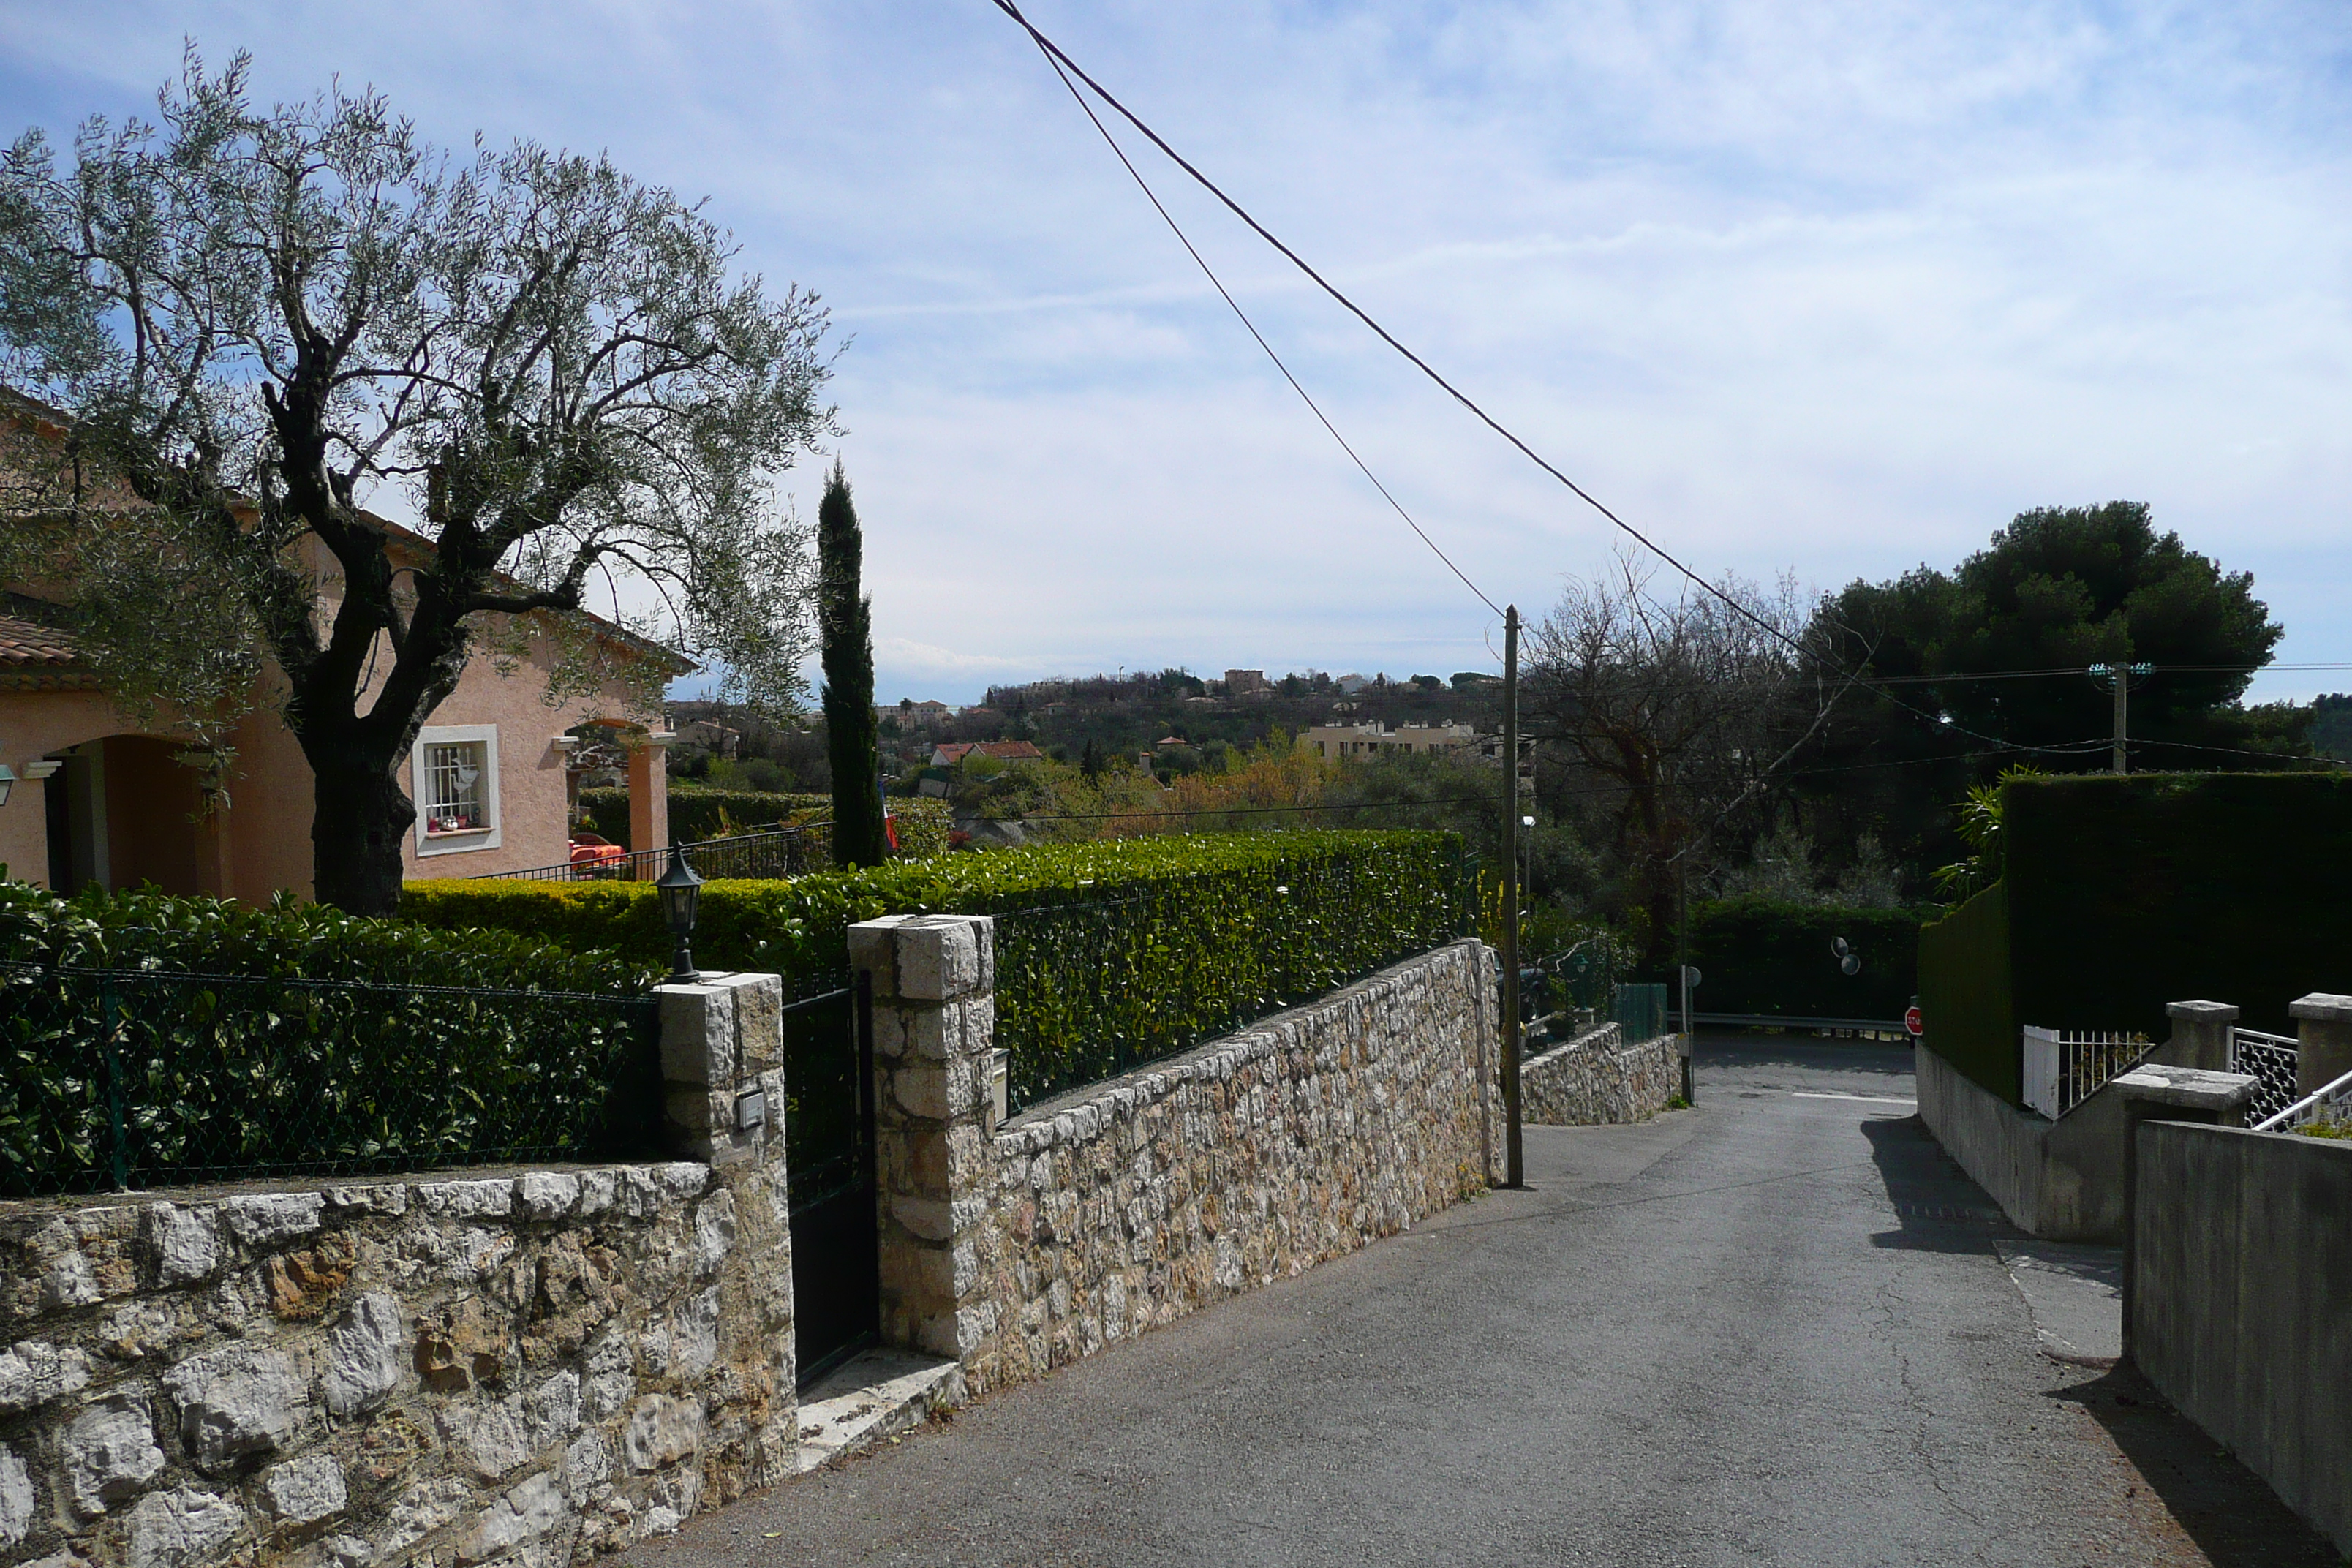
x=2126 y=893
x=846 y=620
x=1112 y=951
x=1757 y=956
x=1966 y=995
x=153 y=1040
x=697 y=813
x=1979 y=818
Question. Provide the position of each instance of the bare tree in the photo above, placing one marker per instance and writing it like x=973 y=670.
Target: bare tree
x=1672 y=711
x=256 y=322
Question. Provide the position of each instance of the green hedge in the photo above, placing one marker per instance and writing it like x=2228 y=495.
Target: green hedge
x=696 y=813
x=1113 y=952
x=1965 y=994
x=2126 y=893
x=155 y=1040
x=1757 y=956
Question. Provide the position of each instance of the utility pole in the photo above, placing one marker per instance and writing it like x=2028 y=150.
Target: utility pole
x=1514 y=1166
x=2119 y=677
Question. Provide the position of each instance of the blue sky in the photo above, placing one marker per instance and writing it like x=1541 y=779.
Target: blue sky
x=1825 y=290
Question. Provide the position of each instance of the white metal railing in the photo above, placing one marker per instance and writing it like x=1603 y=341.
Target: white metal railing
x=2064 y=1067
x=2333 y=1103
x=2272 y=1061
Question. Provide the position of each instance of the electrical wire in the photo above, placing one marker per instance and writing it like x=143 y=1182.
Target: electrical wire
x=1063 y=68
x=1182 y=238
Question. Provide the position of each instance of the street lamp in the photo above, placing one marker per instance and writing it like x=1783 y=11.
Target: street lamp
x=681 y=891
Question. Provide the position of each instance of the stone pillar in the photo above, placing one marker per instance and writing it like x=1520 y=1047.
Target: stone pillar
x=2200 y=1035
x=722 y=1068
x=2323 y=1027
x=723 y=1093
x=934 y=979
x=2153 y=1093
x=649 y=790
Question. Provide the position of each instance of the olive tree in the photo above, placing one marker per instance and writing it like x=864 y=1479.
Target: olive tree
x=253 y=325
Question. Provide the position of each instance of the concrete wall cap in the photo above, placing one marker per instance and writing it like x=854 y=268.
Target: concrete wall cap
x=2191 y=1087
x=2321 y=1008
x=2203 y=1012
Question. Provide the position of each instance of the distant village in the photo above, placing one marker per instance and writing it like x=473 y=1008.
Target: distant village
x=1166 y=723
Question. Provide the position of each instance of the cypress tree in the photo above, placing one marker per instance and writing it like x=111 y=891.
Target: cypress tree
x=845 y=623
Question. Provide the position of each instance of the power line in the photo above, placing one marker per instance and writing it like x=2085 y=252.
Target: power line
x=1182 y=238
x=1063 y=68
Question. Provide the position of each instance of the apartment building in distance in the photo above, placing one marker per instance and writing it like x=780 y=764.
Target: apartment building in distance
x=1373 y=738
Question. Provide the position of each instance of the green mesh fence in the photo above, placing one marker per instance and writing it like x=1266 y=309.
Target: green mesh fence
x=1640 y=1011
x=137 y=1077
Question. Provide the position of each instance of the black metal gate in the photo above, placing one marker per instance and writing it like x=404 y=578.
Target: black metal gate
x=829 y=1174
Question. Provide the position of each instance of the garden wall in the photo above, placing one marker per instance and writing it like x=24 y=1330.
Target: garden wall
x=1019 y=1248
x=2240 y=1270
x=1597 y=1078
x=526 y=1365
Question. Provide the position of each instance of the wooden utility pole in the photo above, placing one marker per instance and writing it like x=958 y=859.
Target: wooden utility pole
x=1513 y=1168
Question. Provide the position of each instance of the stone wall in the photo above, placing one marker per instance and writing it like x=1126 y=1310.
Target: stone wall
x=1019 y=1248
x=529 y=1366
x=1597 y=1078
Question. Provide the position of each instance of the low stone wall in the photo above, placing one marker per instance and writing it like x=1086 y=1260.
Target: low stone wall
x=532 y=1365
x=2241 y=1273
x=1020 y=1248
x=1597 y=1078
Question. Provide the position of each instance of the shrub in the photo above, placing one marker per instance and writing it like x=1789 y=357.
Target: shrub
x=159 y=1039
x=1110 y=954
x=1757 y=956
x=696 y=813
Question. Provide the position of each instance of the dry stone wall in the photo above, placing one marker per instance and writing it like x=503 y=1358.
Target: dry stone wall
x=530 y=1366
x=1020 y=1248
x=1597 y=1078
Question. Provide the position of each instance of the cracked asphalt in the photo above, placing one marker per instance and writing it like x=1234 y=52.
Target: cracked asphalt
x=1772 y=1329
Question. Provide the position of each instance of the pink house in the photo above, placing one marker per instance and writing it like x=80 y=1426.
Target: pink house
x=91 y=797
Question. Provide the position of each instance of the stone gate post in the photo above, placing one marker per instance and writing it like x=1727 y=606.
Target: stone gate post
x=2323 y=1027
x=934 y=979
x=2200 y=1035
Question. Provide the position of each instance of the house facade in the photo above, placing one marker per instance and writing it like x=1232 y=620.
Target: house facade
x=1332 y=742
x=95 y=797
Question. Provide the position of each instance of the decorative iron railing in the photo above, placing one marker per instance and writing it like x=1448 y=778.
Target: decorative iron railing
x=2272 y=1062
x=2064 y=1068
x=2331 y=1106
x=780 y=852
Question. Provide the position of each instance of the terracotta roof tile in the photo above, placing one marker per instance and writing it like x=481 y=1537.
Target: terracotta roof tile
x=28 y=645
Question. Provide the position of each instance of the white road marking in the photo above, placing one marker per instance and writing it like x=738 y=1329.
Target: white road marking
x=1827 y=1094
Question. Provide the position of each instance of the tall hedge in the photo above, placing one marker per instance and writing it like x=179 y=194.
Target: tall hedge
x=1965 y=993
x=1755 y=955
x=2126 y=893
x=1111 y=953
x=153 y=1040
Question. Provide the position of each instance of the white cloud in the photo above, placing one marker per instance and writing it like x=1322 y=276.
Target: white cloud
x=1836 y=289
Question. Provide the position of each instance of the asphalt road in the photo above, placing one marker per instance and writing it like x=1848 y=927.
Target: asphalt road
x=1770 y=1329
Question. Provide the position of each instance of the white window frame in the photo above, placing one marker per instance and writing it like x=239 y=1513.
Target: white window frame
x=465 y=839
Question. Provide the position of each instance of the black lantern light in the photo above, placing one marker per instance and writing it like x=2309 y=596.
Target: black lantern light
x=682 y=890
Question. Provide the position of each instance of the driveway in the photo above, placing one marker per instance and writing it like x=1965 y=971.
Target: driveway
x=1772 y=1329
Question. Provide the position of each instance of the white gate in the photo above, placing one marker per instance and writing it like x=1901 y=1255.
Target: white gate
x=2064 y=1067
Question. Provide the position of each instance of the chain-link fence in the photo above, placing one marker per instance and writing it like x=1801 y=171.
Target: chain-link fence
x=142 y=1077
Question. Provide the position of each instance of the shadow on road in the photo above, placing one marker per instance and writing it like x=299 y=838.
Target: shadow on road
x=2227 y=1510
x=1938 y=1208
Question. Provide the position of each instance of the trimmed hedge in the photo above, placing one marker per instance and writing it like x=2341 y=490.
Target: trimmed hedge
x=695 y=813
x=1964 y=993
x=2126 y=893
x=156 y=1040
x=1112 y=953
x=1757 y=956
